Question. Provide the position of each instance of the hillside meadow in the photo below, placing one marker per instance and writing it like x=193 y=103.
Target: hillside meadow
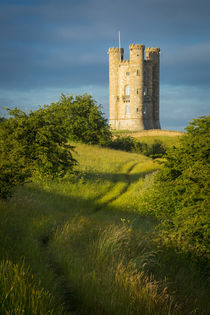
x=85 y=245
x=167 y=137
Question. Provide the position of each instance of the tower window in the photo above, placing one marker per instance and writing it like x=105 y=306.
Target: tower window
x=127 y=109
x=137 y=110
x=137 y=91
x=127 y=73
x=127 y=90
x=137 y=72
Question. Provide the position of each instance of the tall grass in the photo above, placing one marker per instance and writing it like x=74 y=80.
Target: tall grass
x=104 y=268
x=91 y=248
x=20 y=293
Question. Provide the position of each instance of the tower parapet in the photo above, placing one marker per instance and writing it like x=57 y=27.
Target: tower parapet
x=153 y=54
x=134 y=88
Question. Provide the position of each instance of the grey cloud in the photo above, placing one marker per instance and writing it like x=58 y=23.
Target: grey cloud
x=186 y=64
x=50 y=45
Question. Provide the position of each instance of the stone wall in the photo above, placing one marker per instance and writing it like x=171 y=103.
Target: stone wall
x=134 y=88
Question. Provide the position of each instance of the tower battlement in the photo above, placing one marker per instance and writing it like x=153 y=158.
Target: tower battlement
x=114 y=50
x=136 y=46
x=153 y=49
x=134 y=88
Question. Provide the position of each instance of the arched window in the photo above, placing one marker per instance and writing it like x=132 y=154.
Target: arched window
x=127 y=109
x=127 y=90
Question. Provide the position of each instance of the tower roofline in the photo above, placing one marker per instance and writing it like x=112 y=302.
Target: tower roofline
x=136 y=46
x=152 y=49
x=115 y=49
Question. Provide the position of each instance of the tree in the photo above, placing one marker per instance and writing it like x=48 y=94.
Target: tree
x=32 y=145
x=81 y=118
x=180 y=197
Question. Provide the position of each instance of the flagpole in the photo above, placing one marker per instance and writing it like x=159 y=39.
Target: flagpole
x=119 y=46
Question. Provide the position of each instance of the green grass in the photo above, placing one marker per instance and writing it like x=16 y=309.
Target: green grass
x=87 y=245
x=22 y=293
x=148 y=136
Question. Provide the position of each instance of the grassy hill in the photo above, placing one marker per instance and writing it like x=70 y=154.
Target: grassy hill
x=83 y=245
x=167 y=137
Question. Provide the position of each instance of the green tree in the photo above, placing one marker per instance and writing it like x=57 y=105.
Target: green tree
x=180 y=196
x=81 y=119
x=32 y=145
x=37 y=144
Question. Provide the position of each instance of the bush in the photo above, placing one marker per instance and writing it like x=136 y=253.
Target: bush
x=81 y=119
x=31 y=145
x=180 y=195
x=123 y=143
x=37 y=144
x=129 y=144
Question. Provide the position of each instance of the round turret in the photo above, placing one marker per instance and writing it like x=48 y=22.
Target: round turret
x=152 y=53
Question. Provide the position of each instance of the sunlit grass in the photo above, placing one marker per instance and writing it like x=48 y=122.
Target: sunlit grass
x=101 y=267
x=89 y=245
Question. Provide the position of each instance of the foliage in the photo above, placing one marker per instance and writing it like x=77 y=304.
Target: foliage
x=32 y=144
x=180 y=196
x=88 y=244
x=2 y=119
x=37 y=143
x=81 y=119
x=130 y=144
x=125 y=143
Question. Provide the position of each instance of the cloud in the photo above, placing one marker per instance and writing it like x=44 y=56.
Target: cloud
x=49 y=46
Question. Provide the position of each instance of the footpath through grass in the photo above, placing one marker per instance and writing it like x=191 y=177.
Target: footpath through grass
x=83 y=245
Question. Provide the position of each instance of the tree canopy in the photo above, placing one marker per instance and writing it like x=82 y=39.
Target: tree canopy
x=180 y=196
x=81 y=119
x=37 y=144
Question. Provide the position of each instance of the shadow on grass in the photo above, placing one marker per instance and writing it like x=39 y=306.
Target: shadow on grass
x=38 y=213
x=114 y=178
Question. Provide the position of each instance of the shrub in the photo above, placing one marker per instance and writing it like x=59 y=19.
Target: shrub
x=129 y=144
x=123 y=143
x=37 y=143
x=81 y=119
x=31 y=145
x=180 y=195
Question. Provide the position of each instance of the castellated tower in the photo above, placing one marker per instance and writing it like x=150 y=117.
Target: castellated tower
x=134 y=88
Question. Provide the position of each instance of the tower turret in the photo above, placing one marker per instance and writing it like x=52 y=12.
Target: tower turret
x=136 y=83
x=115 y=57
x=153 y=54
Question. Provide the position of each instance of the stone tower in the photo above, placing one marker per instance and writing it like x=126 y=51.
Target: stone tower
x=134 y=88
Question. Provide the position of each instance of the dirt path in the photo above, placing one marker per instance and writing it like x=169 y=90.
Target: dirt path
x=69 y=297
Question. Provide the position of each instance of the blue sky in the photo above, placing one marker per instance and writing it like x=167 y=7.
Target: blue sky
x=51 y=47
